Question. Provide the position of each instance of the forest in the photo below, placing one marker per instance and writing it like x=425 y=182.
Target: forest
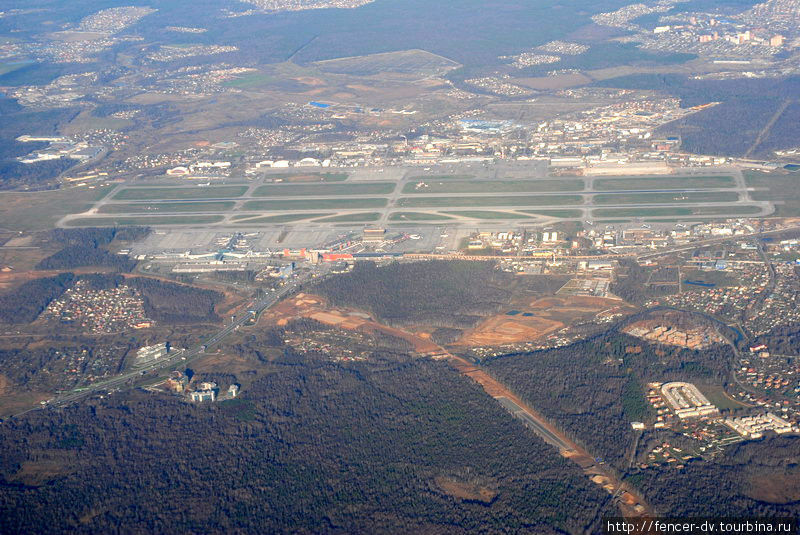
x=782 y=340
x=86 y=247
x=24 y=303
x=169 y=302
x=386 y=446
x=445 y=294
x=593 y=388
x=630 y=284
x=74 y=256
x=32 y=176
x=755 y=478
x=97 y=237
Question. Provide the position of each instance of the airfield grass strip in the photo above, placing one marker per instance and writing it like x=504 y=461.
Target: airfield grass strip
x=144 y=208
x=316 y=204
x=144 y=221
x=478 y=202
x=169 y=194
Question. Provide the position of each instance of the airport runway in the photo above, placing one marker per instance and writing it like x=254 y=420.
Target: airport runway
x=585 y=201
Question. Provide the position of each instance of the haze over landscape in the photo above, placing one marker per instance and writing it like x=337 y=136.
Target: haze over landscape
x=393 y=266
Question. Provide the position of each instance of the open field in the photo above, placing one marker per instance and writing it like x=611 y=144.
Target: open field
x=496 y=186
x=419 y=62
x=144 y=221
x=41 y=210
x=351 y=218
x=317 y=204
x=297 y=190
x=416 y=216
x=777 y=187
x=168 y=194
x=486 y=214
x=537 y=318
x=315 y=307
x=441 y=177
x=517 y=200
x=663 y=182
x=665 y=198
x=717 y=396
x=503 y=329
x=251 y=80
x=563 y=214
x=167 y=207
x=283 y=218
x=7 y=67
x=310 y=177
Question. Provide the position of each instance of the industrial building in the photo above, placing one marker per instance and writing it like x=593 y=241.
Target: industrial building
x=148 y=354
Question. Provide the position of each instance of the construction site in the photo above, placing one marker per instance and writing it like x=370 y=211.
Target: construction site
x=698 y=337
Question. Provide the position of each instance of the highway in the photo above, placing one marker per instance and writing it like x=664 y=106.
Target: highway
x=179 y=357
x=711 y=241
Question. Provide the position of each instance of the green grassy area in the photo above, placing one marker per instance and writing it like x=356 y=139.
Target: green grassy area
x=41 y=210
x=323 y=177
x=634 y=404
x=292 y=190
x=497 y=186
x=717 y=278
x=570 y=228
x=778 y=187
x=666 y=198
x=169 y=194
x=725 y=210
x=355 y=218
x=514 y=200
x=676 y=211
x=663 y=182
x=566 y=214
x=12 y=66
x=316 y=204
x=416 y=216
x=249 y=81
x=640 y=212
x=441 y=177
x=487 y=214
x=282 y=218
x=144 y=221
x=169 y=207
x=717 y=396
